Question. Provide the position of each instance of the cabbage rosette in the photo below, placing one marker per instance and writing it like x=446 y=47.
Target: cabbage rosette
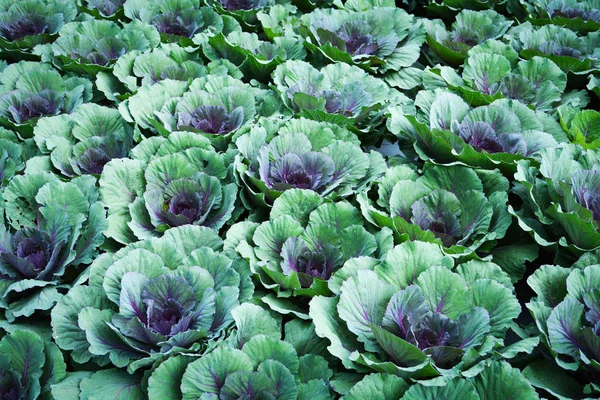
x=254 y=363
x=378 y=40
x=469 y=29
x=167 y=183
x=460 y=208
x=338 y=93
x=298 y=256
x=414 y=317
x=153 y=299
x=214 y=106
x=88 y=47
x=579 y=16
x=31 y=90
x=177 y=20
x=25 y=24
x=305 y=154
x=53 y=229
x=497 y=380
x=571 y=52
x=447 y=130
x=566 y=313
x=256 y=58
x=561 y=198
x=493 y=71
x=167 y=61
x=83 y=142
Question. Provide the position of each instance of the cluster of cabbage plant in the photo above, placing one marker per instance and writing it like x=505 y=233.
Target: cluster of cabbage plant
x=299 y=199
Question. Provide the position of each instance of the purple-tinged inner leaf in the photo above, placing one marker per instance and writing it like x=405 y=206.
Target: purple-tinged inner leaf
x=107 y=50
x=93 y=160
x=106 y=7
x=481 y=136
x=212 y=119
x=466 y=36
x=310 y=170
x=239 y=4
x=320 y=263
x=32 y=254
x=356 y=35
x=10 y=384
x=30 y=105
x=436 y=330
x=586 y=188
x=557 y=49
x=175 y=24
x=15 y=27
x=169 y=300
x=518 y=87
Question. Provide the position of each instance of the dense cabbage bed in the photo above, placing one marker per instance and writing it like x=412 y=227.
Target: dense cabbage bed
x=299 y=199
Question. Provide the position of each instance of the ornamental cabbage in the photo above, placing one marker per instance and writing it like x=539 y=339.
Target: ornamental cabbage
x=488 y=76
x=469 y=29
x=461 y=208
x=378 y=40
x=304 y=242
x=167 y=183
x=491 y=136
x=175 y=19
x=567 y=314
x=26 y=23
x=215 y=106
x=305 y=154
x=53 y=229
x=338 y=93
x=153 y=299
x=168 y=61
x=13 y=155
x=561 y=198
x=413 y=316
x=582 y=16
x=31 y=90
x=29 y=365
x=244 y=11
x=255 y=363
x=88 y=47
x=497 y=380
x=255 y=57
x=572 y=53
x=83 y=142
x=103 y=8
